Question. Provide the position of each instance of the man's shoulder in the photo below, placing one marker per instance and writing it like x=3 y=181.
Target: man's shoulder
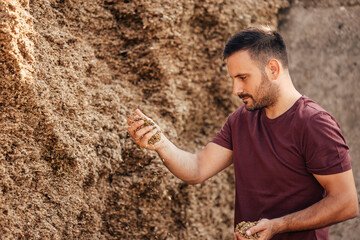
x=309 y=108
x=310 y=111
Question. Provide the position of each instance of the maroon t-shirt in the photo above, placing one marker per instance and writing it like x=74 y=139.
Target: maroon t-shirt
x=274 y=160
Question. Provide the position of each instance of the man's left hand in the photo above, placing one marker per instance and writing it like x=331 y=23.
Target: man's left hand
x=265 y=227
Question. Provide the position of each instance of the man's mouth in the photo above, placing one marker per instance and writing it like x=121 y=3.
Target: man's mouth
x=244 y=98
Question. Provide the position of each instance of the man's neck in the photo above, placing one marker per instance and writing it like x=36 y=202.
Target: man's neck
x=284 y=103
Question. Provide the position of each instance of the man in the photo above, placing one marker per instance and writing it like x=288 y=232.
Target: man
x=292 y=165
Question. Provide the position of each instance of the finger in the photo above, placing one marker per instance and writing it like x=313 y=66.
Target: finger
x=141 y=132
x=254 y=230
x=145 y=139
x=138 y=112
x=237 y=236
x=131 y=129
x=131 y=119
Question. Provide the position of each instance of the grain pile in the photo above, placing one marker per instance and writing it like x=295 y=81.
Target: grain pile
x=71 y=71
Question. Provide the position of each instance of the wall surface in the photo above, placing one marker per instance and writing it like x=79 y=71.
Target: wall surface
x=323 y=40
x=72 y=71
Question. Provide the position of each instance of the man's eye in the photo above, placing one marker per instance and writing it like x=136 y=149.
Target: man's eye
x=243 y=78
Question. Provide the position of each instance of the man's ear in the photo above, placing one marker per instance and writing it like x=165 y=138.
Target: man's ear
x=273 y=69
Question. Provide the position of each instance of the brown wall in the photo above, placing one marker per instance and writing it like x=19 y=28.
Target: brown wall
x=71 y=72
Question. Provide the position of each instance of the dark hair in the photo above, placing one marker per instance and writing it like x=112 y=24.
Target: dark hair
x=262 y=44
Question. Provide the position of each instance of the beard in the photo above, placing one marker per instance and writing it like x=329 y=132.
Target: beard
x=266 y=95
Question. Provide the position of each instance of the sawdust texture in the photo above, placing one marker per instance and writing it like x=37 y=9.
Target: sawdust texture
x=71 y=73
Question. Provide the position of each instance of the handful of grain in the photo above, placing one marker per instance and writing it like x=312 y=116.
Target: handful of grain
x=147 y=122
x=242 y=227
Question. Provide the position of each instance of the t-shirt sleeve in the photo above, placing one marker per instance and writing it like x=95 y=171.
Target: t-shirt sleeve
x=223 y=138
x=326 y=151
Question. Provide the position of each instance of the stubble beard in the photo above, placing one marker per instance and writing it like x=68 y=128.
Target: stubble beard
x=267 y=94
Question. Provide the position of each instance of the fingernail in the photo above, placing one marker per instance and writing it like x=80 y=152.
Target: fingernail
x=154 y=130
x=248 y=232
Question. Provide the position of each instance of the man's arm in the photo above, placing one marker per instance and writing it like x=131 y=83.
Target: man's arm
x=189 y=167
x=195 y=168
x=340 y=204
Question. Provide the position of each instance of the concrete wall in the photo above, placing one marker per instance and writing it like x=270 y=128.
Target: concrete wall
x=324 y=49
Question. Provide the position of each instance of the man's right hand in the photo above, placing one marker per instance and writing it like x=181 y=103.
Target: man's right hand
x=189 y=167
x=141 y=136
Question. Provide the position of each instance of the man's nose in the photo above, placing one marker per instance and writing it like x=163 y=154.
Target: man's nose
x=237 y=88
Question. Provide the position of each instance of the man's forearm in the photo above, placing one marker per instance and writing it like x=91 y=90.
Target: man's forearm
x=330 y=210
x=182 y=164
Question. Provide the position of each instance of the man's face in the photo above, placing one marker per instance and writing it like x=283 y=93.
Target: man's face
x=250 y=83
